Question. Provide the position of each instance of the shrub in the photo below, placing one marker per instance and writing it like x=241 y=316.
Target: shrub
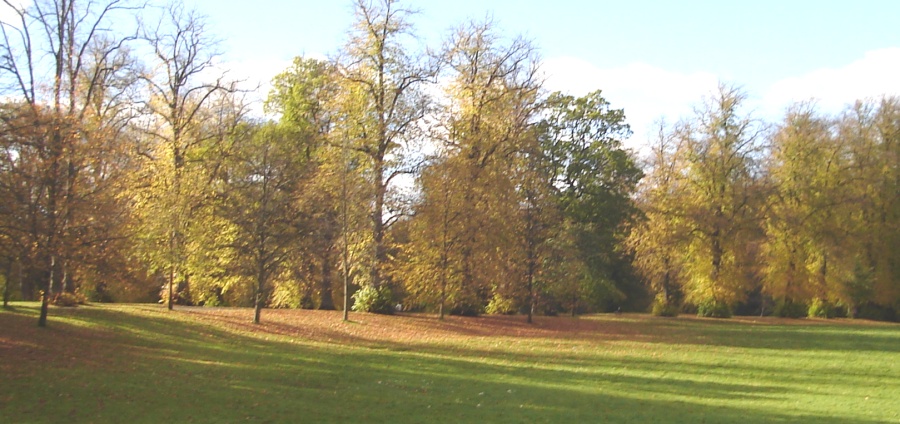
x=821 y=309
x=370 y=299
x=66 y=299
x=502 y=306
x=97 y=293
x=876 y=312
x=787 y=308
x=549 y=309
x=713 y=309
x=663 y=309
x=466 y=310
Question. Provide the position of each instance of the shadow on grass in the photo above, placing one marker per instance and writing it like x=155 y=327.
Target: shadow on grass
x=152 y=367
x=800 y=335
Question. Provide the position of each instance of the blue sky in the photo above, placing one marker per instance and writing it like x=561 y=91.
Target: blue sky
x=653 y=58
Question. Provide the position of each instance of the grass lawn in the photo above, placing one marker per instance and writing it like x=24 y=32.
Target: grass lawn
x=142 y=363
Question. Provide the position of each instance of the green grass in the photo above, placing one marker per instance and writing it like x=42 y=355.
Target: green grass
x=143 y=364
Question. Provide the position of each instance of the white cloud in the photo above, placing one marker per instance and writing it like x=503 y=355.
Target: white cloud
x=8 y=15
x=256 y=76
x=876 y=74
x=646 y=93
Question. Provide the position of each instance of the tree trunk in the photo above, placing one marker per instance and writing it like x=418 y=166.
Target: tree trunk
x=326 y=302
x=531 y=246
x=345 y=249
x=45 y=295
x=445 y=264
x=258 y=309
x=823 y=277
x=42 y=320
x=27 y=278
x=530 y=300
x=6 y=284
x=346 y=311
x=65 y=287
x=443 y=293
x=260 y=290
x=667 y=296
x=717 y=253
x=532 y=269
x=575 y=302
x=378 y=224
x=171 y=285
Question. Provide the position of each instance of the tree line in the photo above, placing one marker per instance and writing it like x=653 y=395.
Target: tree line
x=398 y=176
x=801 y=218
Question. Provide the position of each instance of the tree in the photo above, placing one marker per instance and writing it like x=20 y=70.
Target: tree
x=64 y=66
x=722 y=148
x=659 y=237
x=870 y=132
x=383 y=102
x=312 y=99
x=179 y=92
x=539 y=221
x=261 y=197
x=465 y=228
x=20 y=224
x=304 y=98
x=593 y=178
x=805 y=250
x=429 y=272
x=711 y=223
x=887 y=207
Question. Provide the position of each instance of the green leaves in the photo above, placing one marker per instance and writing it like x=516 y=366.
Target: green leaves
x=593 y=179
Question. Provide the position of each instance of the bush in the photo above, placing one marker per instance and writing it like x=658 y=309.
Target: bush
x=66 y=299
x=662 y=309
x=466 y=310
x=876 y=313
x=503 y=306
x=821 y=309
x=97 y=293
x=370 y=299
x=787 y=308
x=713 y=309
x=549 y=309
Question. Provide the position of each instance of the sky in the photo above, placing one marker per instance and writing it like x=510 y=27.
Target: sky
x=655 y=59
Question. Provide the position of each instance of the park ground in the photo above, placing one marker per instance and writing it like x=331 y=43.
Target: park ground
x=143 y=363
